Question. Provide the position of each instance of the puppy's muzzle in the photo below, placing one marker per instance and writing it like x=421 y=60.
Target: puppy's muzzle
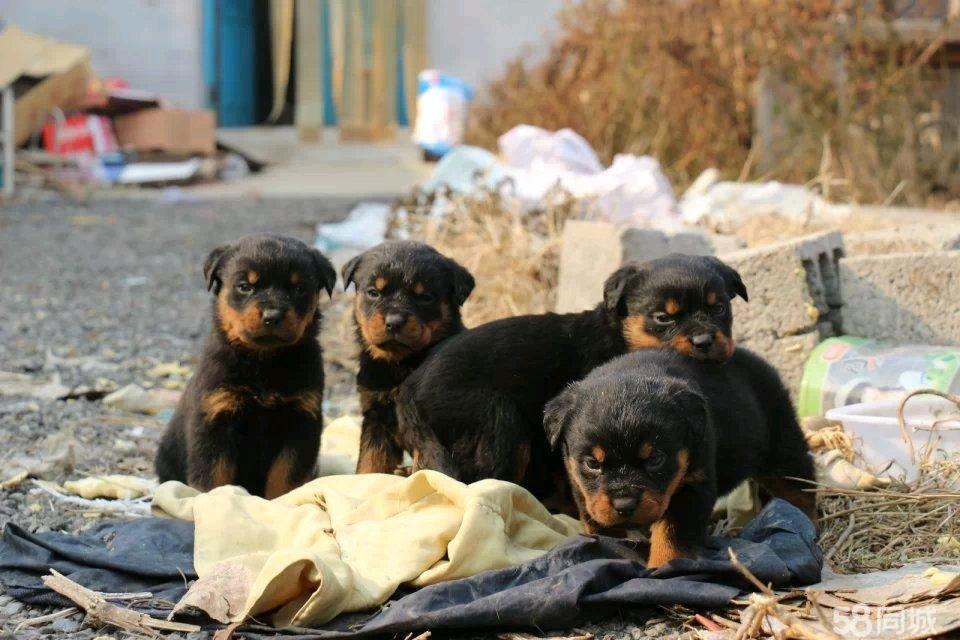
x=703 y=342
x=272 y=317
x=394 y=322
x=625 y=506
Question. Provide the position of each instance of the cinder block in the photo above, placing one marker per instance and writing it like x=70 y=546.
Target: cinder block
x=592 y=250
x=794 y=287
x=907 y=297
x=904 y=239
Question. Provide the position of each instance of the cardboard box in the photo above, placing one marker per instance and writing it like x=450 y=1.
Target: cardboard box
x=44 y=73
x=174 y=131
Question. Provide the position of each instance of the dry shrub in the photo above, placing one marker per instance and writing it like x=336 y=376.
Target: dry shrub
x=513 y=254
x=858 y=109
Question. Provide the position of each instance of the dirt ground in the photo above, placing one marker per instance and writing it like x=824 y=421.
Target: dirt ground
x=104 y=293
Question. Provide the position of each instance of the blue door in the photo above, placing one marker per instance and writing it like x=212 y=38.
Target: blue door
x=231 y=62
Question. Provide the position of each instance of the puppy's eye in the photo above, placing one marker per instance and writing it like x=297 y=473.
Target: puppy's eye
x=662 y=318
x=718 y=309
x=426 y=298
x=373 y=293
x=244 y=288
x=656 y=460
x=299 y=289
x=591 y=464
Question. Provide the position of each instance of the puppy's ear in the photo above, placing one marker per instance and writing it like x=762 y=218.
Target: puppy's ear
x=349 y=270
x=212 y=266
x=325 y=271
x=616 y=286
x=558 y=414
x=463 y=282
x=731 y=278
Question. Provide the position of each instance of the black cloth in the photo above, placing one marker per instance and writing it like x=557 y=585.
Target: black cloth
x=586 y=576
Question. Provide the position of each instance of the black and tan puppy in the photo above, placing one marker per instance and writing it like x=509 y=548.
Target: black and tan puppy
x=251 y=414
x=408 y=301
x=653 y=438
x=474 y=409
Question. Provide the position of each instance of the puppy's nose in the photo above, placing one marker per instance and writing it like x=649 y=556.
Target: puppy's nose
x=703 y=341
x=394 y=321
x=271 y=316
x=625 y=506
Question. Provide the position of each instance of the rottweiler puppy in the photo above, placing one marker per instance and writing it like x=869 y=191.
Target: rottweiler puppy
x=652 y=438
x=474 y=409
x=251 y=415
x=408 y=301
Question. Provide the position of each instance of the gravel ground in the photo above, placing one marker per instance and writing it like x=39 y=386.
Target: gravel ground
x=99 y=295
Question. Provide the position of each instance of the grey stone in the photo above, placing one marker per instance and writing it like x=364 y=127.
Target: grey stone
x=11 y=608
x=64 y=625
x=908 y=297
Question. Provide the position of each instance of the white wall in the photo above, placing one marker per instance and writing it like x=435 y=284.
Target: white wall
x=474 y=39
x=154 y=44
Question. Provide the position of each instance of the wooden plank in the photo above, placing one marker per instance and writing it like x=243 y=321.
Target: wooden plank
x=308 y=112
x=382 y=111
x=414 y=51
x=281 y=42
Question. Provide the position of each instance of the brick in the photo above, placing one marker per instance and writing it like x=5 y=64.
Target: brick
x=906 y=297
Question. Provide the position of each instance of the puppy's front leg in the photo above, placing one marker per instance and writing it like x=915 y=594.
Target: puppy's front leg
x=379 y=451
x=681 y=531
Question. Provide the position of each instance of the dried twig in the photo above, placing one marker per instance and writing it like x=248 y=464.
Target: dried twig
x=99 y=611
x=765 y=605
x=32 y=622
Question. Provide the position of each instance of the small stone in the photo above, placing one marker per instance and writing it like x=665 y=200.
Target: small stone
x=10 y=609
x=64 y=625
x=656 y=630
x=637 y=633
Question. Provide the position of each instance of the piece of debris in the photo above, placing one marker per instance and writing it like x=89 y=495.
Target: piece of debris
x=113 y=486
x=100 y=612
x=56 y=454
x=21 y=384
x=134 y=507
x=220 y=593
x=136 y=399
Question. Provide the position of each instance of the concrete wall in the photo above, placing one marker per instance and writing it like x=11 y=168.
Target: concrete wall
x=153 y=44
x=474 y=40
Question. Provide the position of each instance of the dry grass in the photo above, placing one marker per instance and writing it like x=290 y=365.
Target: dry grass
x=513 y=255
x=859 y=115
x=889 y=527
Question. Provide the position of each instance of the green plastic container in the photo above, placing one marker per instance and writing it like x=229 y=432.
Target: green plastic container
x=847 y=370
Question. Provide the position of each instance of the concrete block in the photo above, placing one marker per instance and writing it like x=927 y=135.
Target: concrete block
x=589 y=253
x=794 y=287
x=648 y=244
x=592 y=250
x=904 y=239
x=907 y=297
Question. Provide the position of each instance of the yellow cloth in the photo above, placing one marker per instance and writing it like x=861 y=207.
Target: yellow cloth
x=345 y=543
